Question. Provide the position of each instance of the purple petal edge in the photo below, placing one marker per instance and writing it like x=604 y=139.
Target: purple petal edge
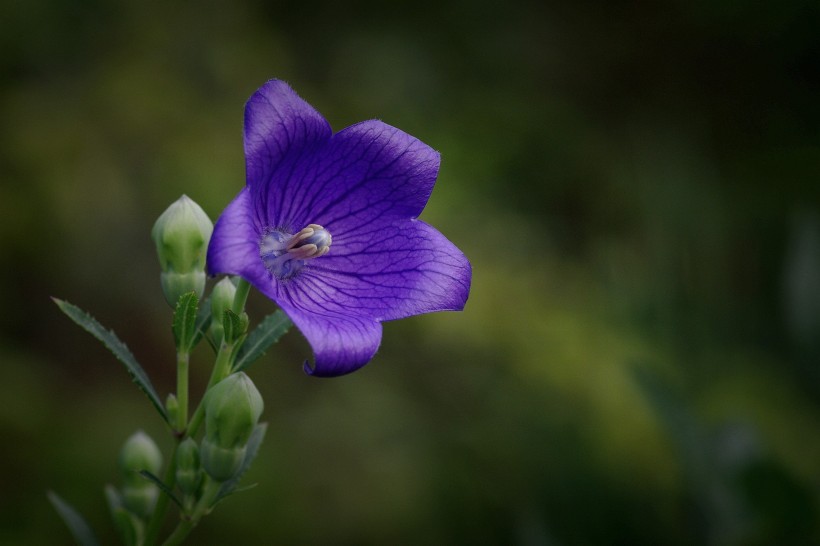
x=279 y=124
x=233 y=248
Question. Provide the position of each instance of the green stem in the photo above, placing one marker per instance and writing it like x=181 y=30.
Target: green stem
x=203 y=506
x=182 y=390
x=222 y=368
x=155 y=524
x=243 y=287
x=183 y=528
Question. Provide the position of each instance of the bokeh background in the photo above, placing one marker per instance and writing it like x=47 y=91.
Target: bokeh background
x=635 y=183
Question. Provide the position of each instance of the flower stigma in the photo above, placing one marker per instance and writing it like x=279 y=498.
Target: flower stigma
x=284 y=254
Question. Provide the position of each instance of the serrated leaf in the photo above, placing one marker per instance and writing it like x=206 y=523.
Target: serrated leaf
x=159 y=483
x=251 y=450
x=120 y=350
x=80 y=530
x=185 y=321
x=272 y=327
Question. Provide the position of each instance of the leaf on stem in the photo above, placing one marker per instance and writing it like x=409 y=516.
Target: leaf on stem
x=159 y=483
x=130 y=528
x=80 y=530
x=120 y=350
x=185 y=321
x=272 y=327
x=235 y=327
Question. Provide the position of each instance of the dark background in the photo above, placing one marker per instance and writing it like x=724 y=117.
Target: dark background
x=635 y=183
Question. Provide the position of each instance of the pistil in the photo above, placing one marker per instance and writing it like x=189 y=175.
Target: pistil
x=284 y=255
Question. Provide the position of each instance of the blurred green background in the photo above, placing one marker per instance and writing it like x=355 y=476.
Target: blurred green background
x=635 y=183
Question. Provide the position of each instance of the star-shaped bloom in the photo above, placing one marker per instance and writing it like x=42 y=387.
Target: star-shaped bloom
x=327 y=227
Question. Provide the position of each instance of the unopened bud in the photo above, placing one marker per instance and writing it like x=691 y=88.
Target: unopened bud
x=189 y=473
x=222 y=297
x=232 y=410
x=181 y=235
x=139 y=453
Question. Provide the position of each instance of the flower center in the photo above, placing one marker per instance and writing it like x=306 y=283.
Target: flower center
x=284 y=254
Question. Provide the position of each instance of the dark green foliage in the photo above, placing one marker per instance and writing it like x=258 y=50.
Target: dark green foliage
x=80 y=530
x=120 y=350
x=268 y=332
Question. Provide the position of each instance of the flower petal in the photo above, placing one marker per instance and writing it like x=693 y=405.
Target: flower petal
x=341 y=344
x=374 y=171
x=339 y=302
x=392 y=272
x=234 y=246
x=366 y=173
x=280 y=128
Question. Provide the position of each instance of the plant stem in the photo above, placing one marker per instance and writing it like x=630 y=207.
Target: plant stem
x=222 y=368
x=182 y=390
x=183 y=528
x=243 y=287
x=184 y=428
x=209 y=492
x=155 y=523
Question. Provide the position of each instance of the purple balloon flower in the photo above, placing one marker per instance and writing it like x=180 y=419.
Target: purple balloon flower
x=326 y=227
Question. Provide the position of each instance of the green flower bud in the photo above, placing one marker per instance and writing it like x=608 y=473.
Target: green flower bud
x=139 y=453
x=181 y=234
x=222 y=297
x=232 y=409
x=189 y=473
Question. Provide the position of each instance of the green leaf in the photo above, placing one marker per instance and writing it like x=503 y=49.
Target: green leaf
x=130 y=528
x=235 y=326
x=272 y=327
x=185 y=321
x=80 y=530
x=110 y=340
x=251 y=450
x=112 y=496
x=159 y=483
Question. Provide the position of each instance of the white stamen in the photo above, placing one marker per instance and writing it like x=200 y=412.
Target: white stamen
x=284 y=254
